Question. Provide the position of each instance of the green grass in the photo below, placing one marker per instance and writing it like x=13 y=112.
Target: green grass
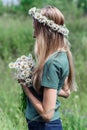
x=16 y=33
x=74 y=113
x=11 y=117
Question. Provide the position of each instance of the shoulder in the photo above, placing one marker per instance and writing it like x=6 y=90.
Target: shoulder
x=59 y=59
x=52 y=63
x=58 y=62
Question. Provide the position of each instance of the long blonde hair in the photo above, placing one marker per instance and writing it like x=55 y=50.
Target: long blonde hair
x=47 y=42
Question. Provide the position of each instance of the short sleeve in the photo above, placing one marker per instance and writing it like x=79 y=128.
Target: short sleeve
x=50 y=75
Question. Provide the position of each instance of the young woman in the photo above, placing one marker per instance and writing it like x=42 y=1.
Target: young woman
x=53 y=74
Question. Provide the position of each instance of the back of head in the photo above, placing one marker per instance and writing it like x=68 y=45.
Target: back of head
x=54 y=14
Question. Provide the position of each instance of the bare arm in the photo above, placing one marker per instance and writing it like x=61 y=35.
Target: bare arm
x=65 y=91
x=45 y=108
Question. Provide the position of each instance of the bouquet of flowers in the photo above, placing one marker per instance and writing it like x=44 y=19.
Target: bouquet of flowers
x=23 y=66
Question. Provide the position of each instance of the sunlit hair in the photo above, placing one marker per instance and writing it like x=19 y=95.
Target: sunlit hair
x=49 y=41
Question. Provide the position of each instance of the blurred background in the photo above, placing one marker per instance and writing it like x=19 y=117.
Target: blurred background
x=16 y=39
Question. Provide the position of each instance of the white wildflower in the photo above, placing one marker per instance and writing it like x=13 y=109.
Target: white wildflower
x=55 y=27
x=28 y=80
x=23 y=57
x=11 y=65
x=50 y=23
x=32 y=10
x=37 y=16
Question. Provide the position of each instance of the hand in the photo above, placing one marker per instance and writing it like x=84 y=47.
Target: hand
x=65 y=91
x=24 y=86
x=22 y=82
x=25 y=89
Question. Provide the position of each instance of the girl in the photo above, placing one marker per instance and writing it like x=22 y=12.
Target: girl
x=53 y=74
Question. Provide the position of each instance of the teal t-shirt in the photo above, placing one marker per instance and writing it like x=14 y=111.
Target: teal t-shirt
x=55 y=70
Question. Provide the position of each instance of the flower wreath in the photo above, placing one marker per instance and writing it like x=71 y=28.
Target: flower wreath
x=34 y=12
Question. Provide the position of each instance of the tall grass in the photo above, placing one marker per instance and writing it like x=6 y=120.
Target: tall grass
x=11 y=117
x=16 y=35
